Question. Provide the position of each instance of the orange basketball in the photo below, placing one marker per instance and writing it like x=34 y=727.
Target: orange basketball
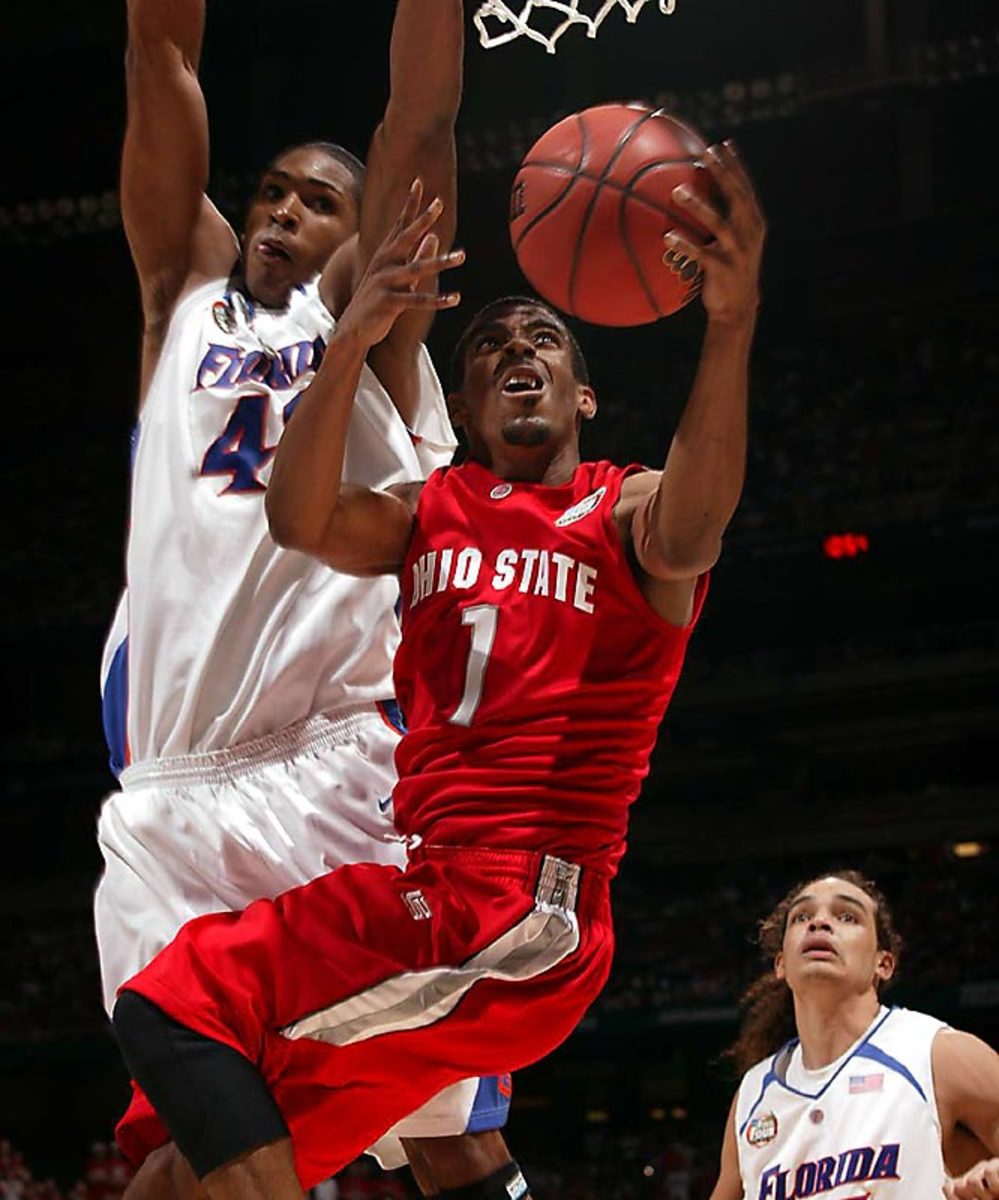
x=590 y=204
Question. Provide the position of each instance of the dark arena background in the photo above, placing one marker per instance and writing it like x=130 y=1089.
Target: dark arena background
x=839 y=705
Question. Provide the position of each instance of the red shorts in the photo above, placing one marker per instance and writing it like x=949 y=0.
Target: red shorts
x=362 y=994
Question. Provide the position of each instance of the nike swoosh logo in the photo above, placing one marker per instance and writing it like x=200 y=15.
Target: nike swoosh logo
x=383 y=805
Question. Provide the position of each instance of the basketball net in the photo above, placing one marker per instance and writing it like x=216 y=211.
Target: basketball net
x=508 y=25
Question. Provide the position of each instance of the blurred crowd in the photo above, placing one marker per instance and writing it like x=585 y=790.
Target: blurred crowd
x=607 y=1164
x=611 y=1164
x=104 y=1175
x=685 y=936
x=687 y=939
x=880 y=421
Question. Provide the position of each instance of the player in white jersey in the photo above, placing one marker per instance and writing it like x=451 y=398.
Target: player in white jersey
x=845 y=1097
x=247 y=690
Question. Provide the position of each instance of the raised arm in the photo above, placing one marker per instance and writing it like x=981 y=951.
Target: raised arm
x=356 y=530
x=729 y=1184
x=676 y=520
x=174 y=232
x=966 y=1081
x=414 y=138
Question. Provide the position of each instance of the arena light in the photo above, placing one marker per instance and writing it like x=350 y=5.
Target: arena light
x=967 y=849
x=597 y=1116
x=845 y=545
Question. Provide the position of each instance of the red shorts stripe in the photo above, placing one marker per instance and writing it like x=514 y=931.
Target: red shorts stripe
x=364 y=993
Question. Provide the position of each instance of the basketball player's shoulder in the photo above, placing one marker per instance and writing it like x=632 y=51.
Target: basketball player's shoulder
x=756 y=1080
x=597 y=471
x=905 y=1041
x=909 y=1025
x=199 y=294
x=629 y=485
x=438 y=498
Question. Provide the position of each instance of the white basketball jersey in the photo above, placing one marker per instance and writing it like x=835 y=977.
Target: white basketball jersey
x=221 y=636
x=865 y=1127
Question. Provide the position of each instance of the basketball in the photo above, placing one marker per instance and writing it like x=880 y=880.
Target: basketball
x=590 y=204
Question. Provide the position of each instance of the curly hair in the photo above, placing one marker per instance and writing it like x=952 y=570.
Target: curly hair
x=767 y=1004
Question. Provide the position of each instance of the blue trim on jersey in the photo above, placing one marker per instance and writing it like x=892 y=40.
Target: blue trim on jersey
x=133 y=445
x=864 y=1050
x=770 y=1077
x=492 y=1104
x=114 y=709
x=892 y=1064
x=393 y=714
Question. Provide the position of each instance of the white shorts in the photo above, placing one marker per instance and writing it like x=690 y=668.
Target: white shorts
x=213 y=832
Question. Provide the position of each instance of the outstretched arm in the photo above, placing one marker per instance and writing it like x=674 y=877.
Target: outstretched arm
x=676 y=520
x=414 y=138
x=354 y=529
x=174 y=232
x=966 y=1081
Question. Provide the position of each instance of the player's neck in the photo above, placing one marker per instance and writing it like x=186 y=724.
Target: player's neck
x=829 y=1024
x=522 y=464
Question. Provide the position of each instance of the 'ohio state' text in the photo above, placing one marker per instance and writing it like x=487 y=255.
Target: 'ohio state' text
x=538 y=572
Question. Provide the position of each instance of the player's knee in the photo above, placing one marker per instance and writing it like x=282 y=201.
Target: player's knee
x=505 y=1183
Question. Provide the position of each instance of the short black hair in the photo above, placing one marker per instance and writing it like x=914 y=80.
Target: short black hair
x=496 y=308
x=355 y=168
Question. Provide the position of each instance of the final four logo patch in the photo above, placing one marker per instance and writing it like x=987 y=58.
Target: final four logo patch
x=224 y=317
x=580 y=510
x=761 y=1129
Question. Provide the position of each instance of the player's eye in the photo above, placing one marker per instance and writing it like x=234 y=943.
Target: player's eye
x=271 y=191
x=322 y=204
x=847 y=915
x=488 y=341
x=546 y=337
x=799 y=916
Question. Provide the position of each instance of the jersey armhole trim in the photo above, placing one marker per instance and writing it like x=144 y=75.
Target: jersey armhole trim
x=639 y=603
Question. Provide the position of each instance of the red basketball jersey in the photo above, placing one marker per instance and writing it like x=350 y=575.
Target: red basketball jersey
x=532 y=673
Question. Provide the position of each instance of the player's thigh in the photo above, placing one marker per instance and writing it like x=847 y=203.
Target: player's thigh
x=178 y=850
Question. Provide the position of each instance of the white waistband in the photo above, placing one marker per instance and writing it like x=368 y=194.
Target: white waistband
x=312 y=733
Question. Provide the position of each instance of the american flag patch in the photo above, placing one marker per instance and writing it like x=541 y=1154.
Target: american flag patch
x=866 y=1083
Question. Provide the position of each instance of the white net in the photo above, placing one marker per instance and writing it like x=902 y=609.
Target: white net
x=498 y=23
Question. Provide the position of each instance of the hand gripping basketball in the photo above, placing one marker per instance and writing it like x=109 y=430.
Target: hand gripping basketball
x=590 y=205
x=730 y=260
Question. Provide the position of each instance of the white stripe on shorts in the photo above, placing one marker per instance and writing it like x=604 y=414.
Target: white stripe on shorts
x=416 y=999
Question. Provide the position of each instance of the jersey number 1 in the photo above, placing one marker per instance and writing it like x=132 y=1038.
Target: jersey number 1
x=482 y=618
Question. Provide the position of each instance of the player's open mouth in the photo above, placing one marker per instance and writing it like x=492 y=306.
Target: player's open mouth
x=818 y=947
x=271 y=248
x=519 y=381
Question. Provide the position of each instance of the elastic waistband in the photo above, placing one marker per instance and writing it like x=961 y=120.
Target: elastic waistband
x=555 y=881
x=317 y=732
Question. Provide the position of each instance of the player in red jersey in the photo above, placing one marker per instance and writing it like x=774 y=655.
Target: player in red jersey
x=547 y=605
